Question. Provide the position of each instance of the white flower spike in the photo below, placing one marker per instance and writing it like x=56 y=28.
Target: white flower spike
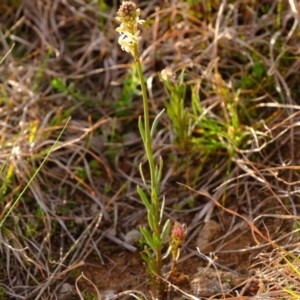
x=128 y=15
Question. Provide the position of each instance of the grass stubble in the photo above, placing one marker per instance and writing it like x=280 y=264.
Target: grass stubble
x=240 y=63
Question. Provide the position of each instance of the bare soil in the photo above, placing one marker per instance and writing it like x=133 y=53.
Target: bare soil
x=223 y=265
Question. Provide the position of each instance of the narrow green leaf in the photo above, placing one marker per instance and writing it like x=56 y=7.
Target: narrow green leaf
x=142 y=130
x=151 y=220
x=168 y=252
x=143 y=177
x=146 y=256
x=181 y=77
x=149 y=258
x=144 y=198
x=160 y=168
x=158 y=171
x=6 y=54
x=155 y=123
x=156 y=242
x=148 y=252
x=149 y=240
x=162 y=209
x=152 y=267
x=145 y=232
x=165 y=231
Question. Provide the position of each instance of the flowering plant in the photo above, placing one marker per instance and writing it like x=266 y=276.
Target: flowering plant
x=158 y=234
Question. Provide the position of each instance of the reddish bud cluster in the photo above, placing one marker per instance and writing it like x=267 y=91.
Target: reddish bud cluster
x=179 y=232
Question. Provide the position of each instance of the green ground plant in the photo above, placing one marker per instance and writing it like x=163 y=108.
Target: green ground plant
x=176 y=108
x=70 y=90
x=200 y=130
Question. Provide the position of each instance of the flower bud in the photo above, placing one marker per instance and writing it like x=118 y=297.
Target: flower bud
x=127 y=10
x=179 y=233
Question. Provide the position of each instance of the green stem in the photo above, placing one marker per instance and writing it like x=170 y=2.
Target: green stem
x=149 y=153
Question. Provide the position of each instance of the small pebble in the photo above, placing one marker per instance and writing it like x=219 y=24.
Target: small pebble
x=66 y=292
x=132 y=237
x=108 y=294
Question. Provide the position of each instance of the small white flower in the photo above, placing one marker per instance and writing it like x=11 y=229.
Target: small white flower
x=125 y=44
x=127 y=41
